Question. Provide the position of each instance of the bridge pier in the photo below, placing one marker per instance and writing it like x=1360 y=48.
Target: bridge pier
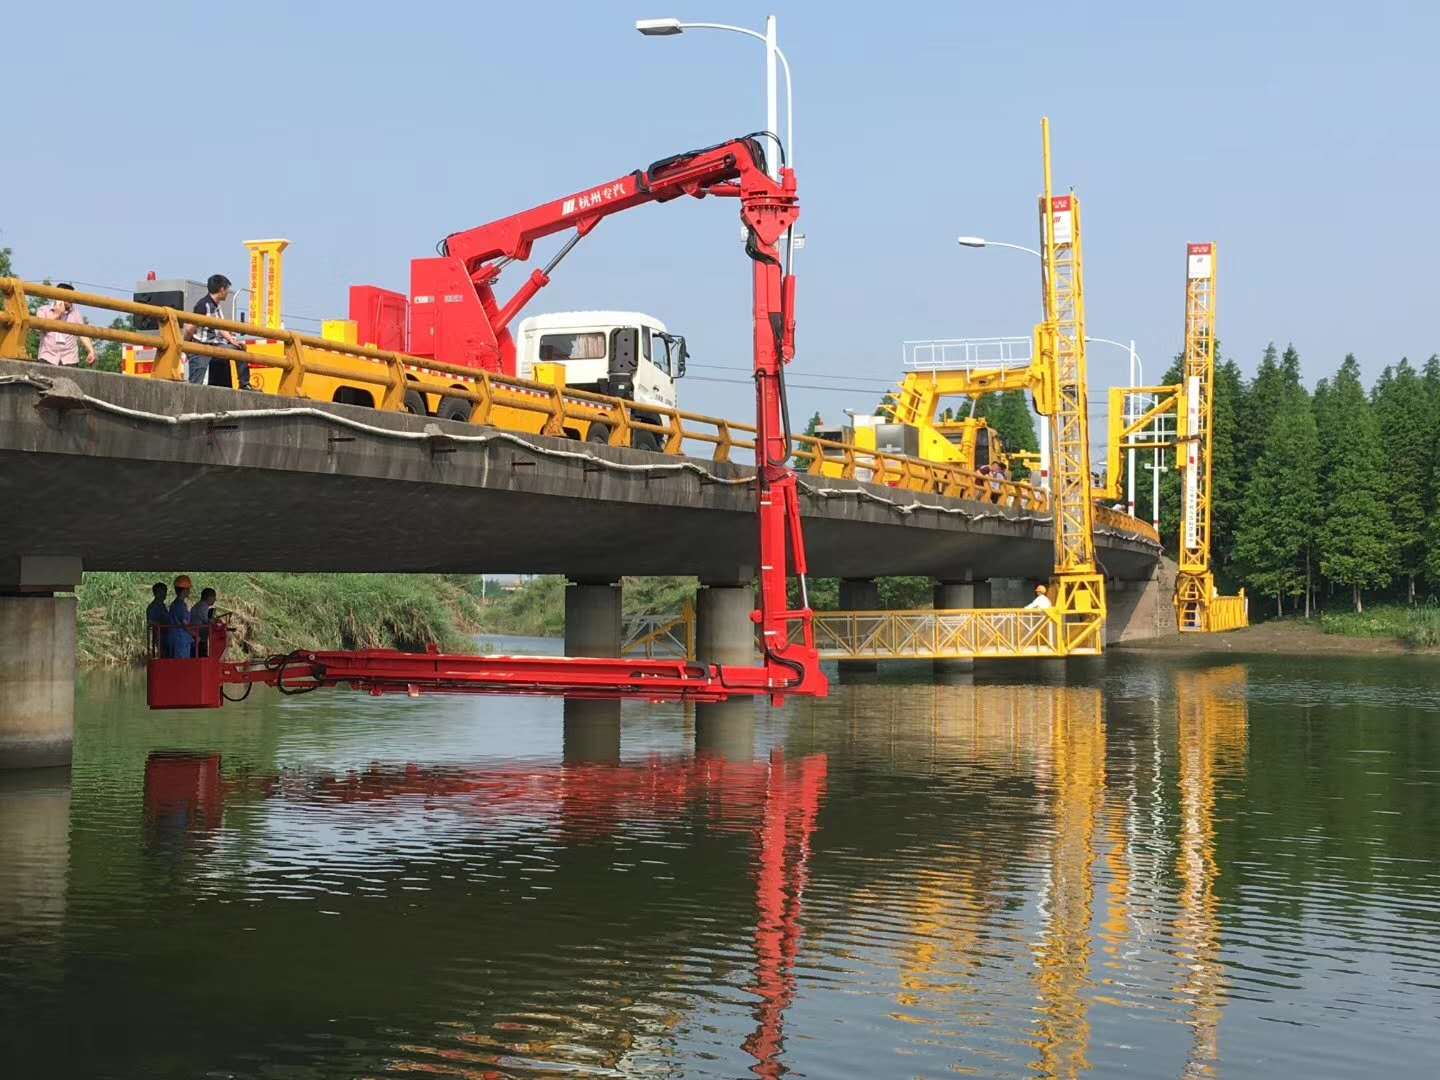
x=858 y=594
x=592 y=628
x=37 y=661
x=592 y=618
x=725 y=634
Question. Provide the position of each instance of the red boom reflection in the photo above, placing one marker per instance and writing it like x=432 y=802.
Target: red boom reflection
x=776 y=800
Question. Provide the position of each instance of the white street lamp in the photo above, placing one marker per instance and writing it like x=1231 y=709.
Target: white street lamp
x=1136 y=370
x=671 y=27
x=980 y=242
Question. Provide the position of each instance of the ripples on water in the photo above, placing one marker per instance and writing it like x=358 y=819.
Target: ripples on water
x=1156 y=867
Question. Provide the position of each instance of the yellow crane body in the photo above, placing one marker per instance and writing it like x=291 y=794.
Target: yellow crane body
x=1074 y=623
x=1191 y=402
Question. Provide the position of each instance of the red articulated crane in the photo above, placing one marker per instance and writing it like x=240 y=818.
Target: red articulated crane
x=471 y=325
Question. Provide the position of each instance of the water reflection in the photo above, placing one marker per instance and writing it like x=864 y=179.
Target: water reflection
x=1100 y=870
x=1076 y=781
x=1213 y=728
x=34 y=852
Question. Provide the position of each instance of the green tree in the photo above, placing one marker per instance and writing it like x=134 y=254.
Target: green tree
x=1354 y=541
x=1407 y=438
x=1227 y=469
x=1263 y=396
x=1277 y=521
x=6 y=268
x=1432 y=491
x=109 y=355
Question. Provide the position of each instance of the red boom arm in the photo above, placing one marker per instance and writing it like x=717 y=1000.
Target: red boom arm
x=768 y=208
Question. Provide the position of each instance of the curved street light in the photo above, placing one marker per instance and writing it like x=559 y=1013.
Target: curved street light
x=671 y=27
x=1136 y=369
x=980 y=242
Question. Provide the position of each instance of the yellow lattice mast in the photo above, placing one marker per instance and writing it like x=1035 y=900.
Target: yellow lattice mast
x=1196 y=583
x=1080 y=591
x=1198 y=608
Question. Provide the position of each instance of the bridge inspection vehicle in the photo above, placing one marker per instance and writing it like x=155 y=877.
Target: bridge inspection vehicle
x=467 y=272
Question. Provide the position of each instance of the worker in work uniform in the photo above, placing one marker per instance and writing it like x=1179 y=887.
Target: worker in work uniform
x=218 y=286
x=201 y=616
x=182 y=645
x=157 y=614
x=1042 y=599
x=63 y=350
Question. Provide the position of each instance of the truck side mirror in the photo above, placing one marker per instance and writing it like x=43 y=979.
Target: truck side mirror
x=681 y=356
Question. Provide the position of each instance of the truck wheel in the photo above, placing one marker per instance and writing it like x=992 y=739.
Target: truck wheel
x=415 y=403
x=645 y=440
x=598 y=433
x=454 y=409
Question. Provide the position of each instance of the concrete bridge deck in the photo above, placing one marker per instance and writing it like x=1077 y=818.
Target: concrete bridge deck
x=255 y=483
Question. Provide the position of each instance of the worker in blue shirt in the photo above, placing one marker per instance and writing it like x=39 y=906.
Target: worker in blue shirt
x=157 y=614
x=182 y=645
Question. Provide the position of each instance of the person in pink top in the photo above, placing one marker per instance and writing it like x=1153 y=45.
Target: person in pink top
x=63 y=350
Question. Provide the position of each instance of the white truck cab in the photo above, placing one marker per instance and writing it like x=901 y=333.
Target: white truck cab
x=625 y=354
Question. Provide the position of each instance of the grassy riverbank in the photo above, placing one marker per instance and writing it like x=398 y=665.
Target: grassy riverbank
x=278 y=612
x=1418 y=627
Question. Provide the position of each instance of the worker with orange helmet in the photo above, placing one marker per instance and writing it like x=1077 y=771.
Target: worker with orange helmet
x=182 y=645
x=1042 y=599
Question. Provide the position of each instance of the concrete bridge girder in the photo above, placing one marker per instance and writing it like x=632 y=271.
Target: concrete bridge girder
x=300 y=493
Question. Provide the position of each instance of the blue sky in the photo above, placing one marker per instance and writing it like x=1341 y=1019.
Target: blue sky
x=1300 y=137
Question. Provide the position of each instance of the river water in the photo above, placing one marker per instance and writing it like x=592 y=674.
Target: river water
x=1161 y=866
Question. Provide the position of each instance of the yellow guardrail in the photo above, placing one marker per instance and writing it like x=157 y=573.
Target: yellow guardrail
x=1120 y=521
x=498 y=400
x=821 y=457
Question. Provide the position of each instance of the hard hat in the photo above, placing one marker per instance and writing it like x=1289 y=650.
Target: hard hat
x=183 y=582
x=1038 y=588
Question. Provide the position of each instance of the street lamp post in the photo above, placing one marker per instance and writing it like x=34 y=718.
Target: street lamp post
x=981 y=242
x=1136 y=370
x=671 y=27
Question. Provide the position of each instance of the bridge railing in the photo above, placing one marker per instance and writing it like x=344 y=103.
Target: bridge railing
x=499 y=400
x=821 y=457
